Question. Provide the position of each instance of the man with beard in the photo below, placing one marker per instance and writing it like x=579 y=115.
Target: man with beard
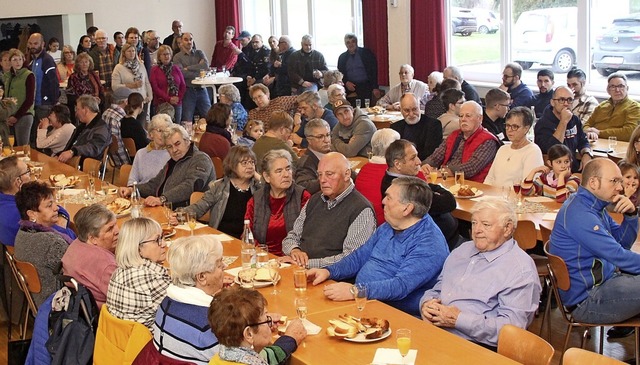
x=306 y=66
x=545 y=84
x=520 y=93
x=423 y=131
x=47 y=86
x=310 y=107
x=583 y=105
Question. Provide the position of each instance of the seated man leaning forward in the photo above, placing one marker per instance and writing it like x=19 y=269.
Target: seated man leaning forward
x=352 y=135
x=403 y=257
x=336 y=220
x=187 y=171
x=485 y=283
x=471 y=148
x=594 y=246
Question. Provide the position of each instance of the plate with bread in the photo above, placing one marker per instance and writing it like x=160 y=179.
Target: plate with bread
x=120 y=207
x=60 y=180
x=465 y=191
x=361 y=330
x=168 y=231
x=262 y=278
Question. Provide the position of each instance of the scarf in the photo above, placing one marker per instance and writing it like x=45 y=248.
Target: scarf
x=241 y=355
x=173 y=88
x=29 y=226
x=134 y=67
x=221 y=131
x=552 y=180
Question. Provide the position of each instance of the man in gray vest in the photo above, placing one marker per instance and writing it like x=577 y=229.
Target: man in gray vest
x=336 y=220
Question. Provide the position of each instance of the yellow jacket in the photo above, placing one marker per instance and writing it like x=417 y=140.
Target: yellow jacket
x=615 y=120
x=118 y=341
x=216 y=360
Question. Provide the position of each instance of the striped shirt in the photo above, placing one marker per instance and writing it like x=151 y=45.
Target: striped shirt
x=112 y=117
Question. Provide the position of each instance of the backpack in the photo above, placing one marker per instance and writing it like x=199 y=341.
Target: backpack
x=72 y=330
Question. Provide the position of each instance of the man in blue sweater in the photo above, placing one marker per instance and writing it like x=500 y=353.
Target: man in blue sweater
x=403 y=257
x=594 y=246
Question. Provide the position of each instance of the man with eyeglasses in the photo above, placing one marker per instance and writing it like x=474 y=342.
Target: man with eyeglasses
x=152 y=44
x=616 y=117
x=103 y=55
x=558 y=125
x=425 y=132
x=583 y=105
x=594 y=247
x=318 y=133
x=497 y=105
x=408 y=84
x=519 y=92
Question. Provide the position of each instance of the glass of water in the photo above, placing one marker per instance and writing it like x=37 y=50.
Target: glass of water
x=366 y=103
x=613 y=142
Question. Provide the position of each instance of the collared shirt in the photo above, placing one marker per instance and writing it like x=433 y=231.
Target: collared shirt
x=482 y=156
x=105 y=66
x=417 y=87
x=112 y=117
x=490 y=288
x=190 y=64
x=583 y=107
x=355 y=68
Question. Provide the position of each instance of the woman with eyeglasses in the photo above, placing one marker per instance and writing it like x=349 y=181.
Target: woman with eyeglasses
x=240 y=320
x=150 y=160
x=273 y=209
x=140 y=282
x=67 y=62
x=514 y=161
x=226 y=199
x=260 y=95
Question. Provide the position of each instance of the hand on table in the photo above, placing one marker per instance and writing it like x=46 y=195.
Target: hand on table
x=395 y=106
x=339 y=292
x=438 y=314
x=317 y=276
x=125 y=192
x=152 y=201
x=296 y=330
x=173 y=219
x=299 y=257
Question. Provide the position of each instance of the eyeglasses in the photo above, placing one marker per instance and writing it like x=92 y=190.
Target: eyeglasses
x=564 y=100
x=159 y=241
x=614 y=181
x=246 y=163
x=24 y=173
x=321 y=136
x=410 y=110
x=101 y=38
x=617 y=87
x=269 y=321
x=513 y=127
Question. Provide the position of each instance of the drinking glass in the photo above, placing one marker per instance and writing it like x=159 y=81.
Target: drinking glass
x=59 y=194
x=37 y=172
x=224 y=70
x=262 y=255
x=403 y=340
x=168 y=210
x=613 y=142
x=516 y=189
x=301 y=307
x=26 y=149
x=274 y=273
x=181 y=216
x=433 y=175
x=366 y=103
x=92 y=185
x=191 y=221
x=360 y=296
x=358 y=103
x=459 y=178
x=12 y=140
x=444 y=172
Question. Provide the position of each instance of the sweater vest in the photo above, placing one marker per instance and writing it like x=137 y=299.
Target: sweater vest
x=480 y=136
x=17 y=86
x=324 y=230
x=262 y=210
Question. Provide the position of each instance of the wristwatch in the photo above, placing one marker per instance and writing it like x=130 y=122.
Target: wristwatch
x=163 y=199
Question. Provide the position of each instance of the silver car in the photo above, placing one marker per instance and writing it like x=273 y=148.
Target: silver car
x=619 y=47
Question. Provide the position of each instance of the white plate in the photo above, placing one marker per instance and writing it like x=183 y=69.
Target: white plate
x=257 y=284
x=173 y=233
x=478 y=193
x=360 y=337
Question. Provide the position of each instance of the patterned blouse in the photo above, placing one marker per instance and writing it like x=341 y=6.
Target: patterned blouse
x=79 y=84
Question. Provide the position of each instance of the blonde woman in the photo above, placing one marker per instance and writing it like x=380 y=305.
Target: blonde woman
x=67 y=62
x=130 y=73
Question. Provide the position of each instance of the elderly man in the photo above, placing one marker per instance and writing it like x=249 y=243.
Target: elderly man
x=470 y=93
x=497 y=104
x=187 y=171
x=306 y=66
x=403 y=257
x=173 y=39
x=191 y=61
x=470 y=149
x=92 y=137
x=594 y=247
x=423 y=131
x=225 y=52
x=540 y=101
x=318 y=133
x=583 y=105
x=518 y=91
x=559 y=126
x=485 y=283
x=152 y=43
x=310 y=107
x=616 y=117
x=47 y=86
x=359 y=68
x=318 y=239
x=352 y=135
x=280 y=67
x=103 y=55
x=407 y=84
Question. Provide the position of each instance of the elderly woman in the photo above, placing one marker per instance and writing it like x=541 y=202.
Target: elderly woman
x=167 y=82
x=37 y=241
x=90 y=258
x=273 y=209
x=433 y=80
x=154 y=156
x=187 y=171
x=259 y=93
x=181 y=329
x=230 y=95
x=276 y=137
x=216 y=140
x=82 y=82
x=240 y=320
x=130 y=73
x=514 y=161
x=129 y=125
x=54 y=142
x=140 y=282
x=20 y=83
x=335 y=92
x=227 y=198
x=370 y=176
x=329 y=78
x=67 y=63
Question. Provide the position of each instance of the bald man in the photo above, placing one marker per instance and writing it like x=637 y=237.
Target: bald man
x=336 y=220
x=47 y=86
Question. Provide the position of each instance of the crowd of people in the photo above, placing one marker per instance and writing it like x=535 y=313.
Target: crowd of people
x=387 y=226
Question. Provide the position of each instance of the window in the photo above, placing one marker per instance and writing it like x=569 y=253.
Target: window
x=326 y=20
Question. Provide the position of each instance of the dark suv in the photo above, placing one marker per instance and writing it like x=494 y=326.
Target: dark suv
x=619 y=47
x=463 y=21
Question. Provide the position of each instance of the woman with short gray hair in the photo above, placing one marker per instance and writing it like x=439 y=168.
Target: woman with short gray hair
x=230 y=95
x=150 y=160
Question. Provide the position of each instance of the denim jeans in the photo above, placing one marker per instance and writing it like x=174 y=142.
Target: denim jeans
x=616 y=300
x=23 y=130
x=195 y=100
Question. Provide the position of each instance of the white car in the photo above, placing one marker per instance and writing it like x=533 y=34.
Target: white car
x=487 y=21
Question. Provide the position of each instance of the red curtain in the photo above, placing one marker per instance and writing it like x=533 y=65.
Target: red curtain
x=376 y=35
x=427 y=37
x=227 y=13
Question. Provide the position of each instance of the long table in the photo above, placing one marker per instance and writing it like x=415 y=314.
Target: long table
x=434 y=344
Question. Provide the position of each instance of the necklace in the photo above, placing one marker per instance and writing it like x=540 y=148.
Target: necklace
x=516 y=148
x=238 y=188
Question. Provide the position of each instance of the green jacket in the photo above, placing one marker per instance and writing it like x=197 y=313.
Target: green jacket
x=16 y=87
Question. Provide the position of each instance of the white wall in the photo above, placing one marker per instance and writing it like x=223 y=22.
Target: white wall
x=198 y=16
x=399 y=38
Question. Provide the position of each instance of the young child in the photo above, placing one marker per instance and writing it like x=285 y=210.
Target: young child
x=252 y=131
x=631 y=177
x=555 y=180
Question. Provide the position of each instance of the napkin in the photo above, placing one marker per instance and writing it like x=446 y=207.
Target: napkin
x=186 y=226
x=222 y=237
x=539 y=199
x=485 y=197
x=228 y=260
x=312 y=328
x=234 y=271
x=392 y=356
x=549 y=216
x=73 y=191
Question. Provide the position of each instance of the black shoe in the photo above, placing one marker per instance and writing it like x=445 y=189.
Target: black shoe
x=619 y=332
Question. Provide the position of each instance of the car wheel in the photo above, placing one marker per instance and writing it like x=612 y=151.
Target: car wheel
x=525 y=65
x=605 y=71
x=483 y=29
x=563 y=62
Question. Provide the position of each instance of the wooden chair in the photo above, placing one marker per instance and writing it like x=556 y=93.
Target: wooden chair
x=130 y=147
x=523 y=346
x=107 y=157
x=217 y=165
x=195 y=197
x=560 y=280
x=29 y=280
x=118 y=341
x=8 y=253
x=123 y=176
x=545 y=233
x=90 y=165
x=576 y=356
x=74 y=162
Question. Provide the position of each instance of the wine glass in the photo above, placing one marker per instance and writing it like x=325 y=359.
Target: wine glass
x=301 y=307
x=26 y=149
x=444 y=172
x=168 y=210
x=403 y=340
x=12 y=141
x=274 y=268
x=191 y=222
x=516 y=189
x=360 y=296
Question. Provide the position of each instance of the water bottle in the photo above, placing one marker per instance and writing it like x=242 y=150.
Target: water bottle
x=248 y=252
x=136 y=208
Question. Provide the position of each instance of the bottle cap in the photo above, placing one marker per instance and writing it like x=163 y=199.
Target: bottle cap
x=246 y=221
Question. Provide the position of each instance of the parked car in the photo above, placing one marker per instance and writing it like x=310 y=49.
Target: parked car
x=463 y=22
x=619 y=47
x=487 y=21
x=548 y=37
